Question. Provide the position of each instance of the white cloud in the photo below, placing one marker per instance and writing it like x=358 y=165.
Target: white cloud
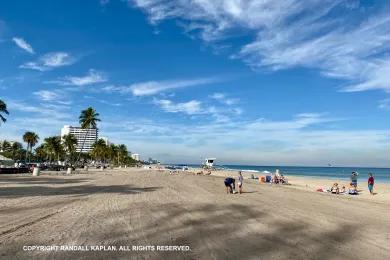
x=47 y=95
x=297 y=141
x=288 y=34
x=21 y=43
x=50 y=61
x=154 y=87
x=384 y=104
x=224 y=99
x=92 y=77
x=56 y=96
x=150 y=88
x=191 y=107
x=43 y=110
x=219 y=114
x=104 y=2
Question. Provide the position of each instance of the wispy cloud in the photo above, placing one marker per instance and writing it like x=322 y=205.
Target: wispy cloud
x=384 y=104
x=298 y=140
x=41 y=111
x=224 y=99
x=191 y=107
x=195 y=107
x=104 y=2
x=56 y=96
x=21 y=43
x=50 y=61
x=150 y=88
x=92 y=77
x=288 y=34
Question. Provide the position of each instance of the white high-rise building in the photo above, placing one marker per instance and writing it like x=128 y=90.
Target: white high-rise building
x=90 y=136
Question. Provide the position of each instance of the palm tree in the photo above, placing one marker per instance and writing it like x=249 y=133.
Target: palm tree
x=99 y=150
x=3 y=110
x=16 y=151
x=122 y=153
x=41 y=152
x=31 y=139
x=69 y=141
x=5 y=146
x=88 y=120
x=54 y=147
x=112 y=150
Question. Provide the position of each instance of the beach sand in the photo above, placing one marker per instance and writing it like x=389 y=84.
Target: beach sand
x=148 y=208
x=381 y=190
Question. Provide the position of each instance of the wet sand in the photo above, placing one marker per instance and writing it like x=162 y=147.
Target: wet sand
x=148 y=208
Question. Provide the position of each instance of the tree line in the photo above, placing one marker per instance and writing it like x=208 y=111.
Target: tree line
x=57 y=148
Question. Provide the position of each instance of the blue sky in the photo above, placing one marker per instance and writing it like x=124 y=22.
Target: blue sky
x=249 y=82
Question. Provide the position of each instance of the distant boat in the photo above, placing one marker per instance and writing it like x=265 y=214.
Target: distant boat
x=330 y=165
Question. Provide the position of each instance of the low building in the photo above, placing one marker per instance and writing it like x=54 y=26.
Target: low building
x=135 y=156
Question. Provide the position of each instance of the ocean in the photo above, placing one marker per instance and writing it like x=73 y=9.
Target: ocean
x=380 y=174
x=343 y=173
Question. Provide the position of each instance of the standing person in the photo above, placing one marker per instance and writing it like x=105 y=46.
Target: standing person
x=240 y=182
x=371 y=183
x=354 y=178
x=230 y=184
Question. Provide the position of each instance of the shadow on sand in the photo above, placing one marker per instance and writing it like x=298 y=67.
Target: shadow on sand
x=39 y=180
x=82 y=190
x=232 y=231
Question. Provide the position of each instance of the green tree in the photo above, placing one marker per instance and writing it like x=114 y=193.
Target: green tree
x=3 y=110
x=99 y=150
x=16 y=151
x=69 y=142
x=54 y=147
x=88 y=120
x=122 y=153
x=31 y=139
x=5 y=146
x=41 y=153
x=112 y=151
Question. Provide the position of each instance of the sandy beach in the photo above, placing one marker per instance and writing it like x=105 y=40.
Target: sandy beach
x=138 y=207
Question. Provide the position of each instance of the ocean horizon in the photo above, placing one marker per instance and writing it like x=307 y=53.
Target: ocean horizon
x=380 y=174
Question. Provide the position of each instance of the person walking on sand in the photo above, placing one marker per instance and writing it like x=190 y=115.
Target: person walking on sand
x=240 y=182
x=230 y=185
x=371 y=183
x=354 y=178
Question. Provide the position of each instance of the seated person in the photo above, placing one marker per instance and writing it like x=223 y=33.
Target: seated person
x=352 y=189
x=283 y=179
x=230 y=184
x=342 y=189
x=335 y=188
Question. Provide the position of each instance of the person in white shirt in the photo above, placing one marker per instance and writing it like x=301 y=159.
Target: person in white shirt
x=240 y=181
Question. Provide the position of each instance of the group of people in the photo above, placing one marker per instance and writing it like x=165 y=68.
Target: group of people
x=352 y=190
x=230 y=184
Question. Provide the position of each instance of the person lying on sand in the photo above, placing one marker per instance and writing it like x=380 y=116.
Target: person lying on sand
x=230 y=185
x=335 y=188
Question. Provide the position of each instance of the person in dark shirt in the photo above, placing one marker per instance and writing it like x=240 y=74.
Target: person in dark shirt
x=371 y=183
x=230 y=185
